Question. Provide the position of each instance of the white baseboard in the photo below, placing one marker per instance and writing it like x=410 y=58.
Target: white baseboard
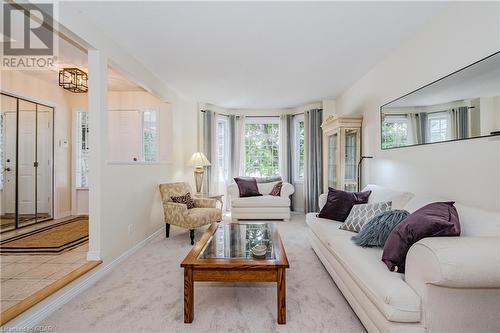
x=94 y=255
x=36 y=314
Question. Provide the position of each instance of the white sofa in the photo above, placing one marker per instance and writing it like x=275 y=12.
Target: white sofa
x=451 y=284
x=265 y=207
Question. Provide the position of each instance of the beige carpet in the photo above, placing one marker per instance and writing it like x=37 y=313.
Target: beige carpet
x=144 y=294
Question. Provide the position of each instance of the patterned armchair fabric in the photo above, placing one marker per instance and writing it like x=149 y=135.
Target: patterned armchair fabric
x=177 y=214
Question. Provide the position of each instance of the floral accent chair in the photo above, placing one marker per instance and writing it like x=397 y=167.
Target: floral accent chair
x=203 y=213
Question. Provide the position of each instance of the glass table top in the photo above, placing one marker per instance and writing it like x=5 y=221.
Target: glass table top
x=235 y=241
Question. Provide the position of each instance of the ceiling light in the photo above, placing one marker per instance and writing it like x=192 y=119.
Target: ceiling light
x=73 y=79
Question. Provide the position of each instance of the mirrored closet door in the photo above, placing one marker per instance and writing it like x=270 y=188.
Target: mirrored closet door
x=26 y=170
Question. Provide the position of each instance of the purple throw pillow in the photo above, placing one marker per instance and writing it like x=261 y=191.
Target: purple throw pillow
x=276 y=191
x=438 y=219
x=184 y=199
x=248 y=187
x=339 y=203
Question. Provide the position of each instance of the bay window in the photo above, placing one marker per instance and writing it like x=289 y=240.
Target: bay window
x=262 y=146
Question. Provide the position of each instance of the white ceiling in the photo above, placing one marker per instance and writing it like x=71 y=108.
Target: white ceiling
x=71 y=56
x=260 y=54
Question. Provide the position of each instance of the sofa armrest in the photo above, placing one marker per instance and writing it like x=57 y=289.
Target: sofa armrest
x=233 y=191
x=454 y=262
x=322 y=200
x=204 y=203
x=287 y=190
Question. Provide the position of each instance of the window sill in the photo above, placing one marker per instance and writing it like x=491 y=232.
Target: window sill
x=137 y=163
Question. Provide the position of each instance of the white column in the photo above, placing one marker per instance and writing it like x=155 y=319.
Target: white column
x=97 y=104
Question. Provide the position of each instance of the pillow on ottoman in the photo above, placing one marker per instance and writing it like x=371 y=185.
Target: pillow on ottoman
x=361 y=214
x=248 y=187
x=375 y=232
x=437 y=219
x=339 y=203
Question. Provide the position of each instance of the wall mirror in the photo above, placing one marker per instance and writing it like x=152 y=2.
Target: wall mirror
x=462 y=105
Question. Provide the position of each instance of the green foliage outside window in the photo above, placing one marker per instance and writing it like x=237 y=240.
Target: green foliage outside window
x=394 y=134
x=262 y=149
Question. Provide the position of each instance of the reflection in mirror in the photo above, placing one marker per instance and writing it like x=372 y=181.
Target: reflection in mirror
x=8 y=133
x=463 y=105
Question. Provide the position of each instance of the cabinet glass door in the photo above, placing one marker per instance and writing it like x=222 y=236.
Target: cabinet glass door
x=332 y=160
x=350 y=165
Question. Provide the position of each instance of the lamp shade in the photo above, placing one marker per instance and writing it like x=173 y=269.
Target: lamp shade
x=198 y=160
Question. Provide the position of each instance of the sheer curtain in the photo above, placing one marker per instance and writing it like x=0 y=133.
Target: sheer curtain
x=209 y=148
x=313 y=171
x=286 y=150
x=238 y=147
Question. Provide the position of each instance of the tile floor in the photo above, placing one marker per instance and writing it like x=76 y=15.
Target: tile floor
x=23 y=275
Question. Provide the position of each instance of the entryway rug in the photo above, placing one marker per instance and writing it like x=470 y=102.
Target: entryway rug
x=53 y=239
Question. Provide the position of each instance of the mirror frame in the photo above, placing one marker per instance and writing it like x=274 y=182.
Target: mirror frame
x=425 y=86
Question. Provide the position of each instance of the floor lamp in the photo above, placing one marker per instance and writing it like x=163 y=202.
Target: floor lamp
x=199 y=161
x=359 y=170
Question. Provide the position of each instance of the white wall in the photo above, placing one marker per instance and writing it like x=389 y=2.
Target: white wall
x=465 y=171
x=48 y=92
x=130 y=191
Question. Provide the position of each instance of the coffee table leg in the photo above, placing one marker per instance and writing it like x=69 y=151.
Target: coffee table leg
x=188 y=295
x=281 y=288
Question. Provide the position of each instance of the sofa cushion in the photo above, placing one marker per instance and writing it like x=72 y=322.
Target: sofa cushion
x=388 y=291
x=265 y=200
x=399 y=199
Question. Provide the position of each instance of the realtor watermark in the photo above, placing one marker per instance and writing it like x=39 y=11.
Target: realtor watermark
x=29 y=39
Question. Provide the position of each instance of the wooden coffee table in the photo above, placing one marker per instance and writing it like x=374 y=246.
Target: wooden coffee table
x=224 y=254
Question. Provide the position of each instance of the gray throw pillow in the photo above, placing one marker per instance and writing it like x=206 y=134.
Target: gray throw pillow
x=362 y=213
x=376 y=231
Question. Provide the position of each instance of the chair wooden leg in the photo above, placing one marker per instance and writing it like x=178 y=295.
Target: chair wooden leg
x=191 y=234
x=167 y=230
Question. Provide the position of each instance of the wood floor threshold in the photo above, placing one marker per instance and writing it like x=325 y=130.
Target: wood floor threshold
x=41 y=294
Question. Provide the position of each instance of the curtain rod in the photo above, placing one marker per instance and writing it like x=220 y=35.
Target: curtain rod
x=265 y=116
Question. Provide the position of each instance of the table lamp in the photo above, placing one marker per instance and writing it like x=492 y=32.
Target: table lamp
x=199 y=161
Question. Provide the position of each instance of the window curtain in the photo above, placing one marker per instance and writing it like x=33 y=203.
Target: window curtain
x=286 y=147
x=209 y=146
x=422 y=121
x=313 y=175
x=286 y=150
x=412 y=138
x=237 y=145
x=233 y=150
x=458 y=120
x=463 y=122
